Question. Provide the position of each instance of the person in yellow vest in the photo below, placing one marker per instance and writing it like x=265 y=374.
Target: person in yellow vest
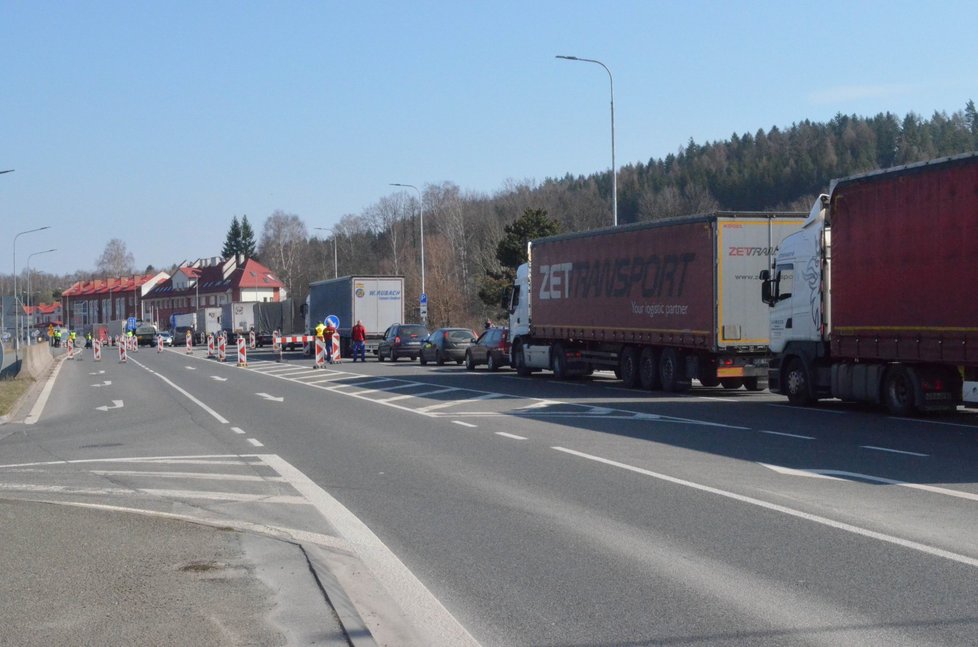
x=328 y=334
x=319 y=336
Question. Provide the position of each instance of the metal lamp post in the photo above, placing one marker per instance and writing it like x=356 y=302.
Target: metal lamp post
x=336 y=265
x=17 y=317
x=614 y=173
x=29 y=257
x=421 y=219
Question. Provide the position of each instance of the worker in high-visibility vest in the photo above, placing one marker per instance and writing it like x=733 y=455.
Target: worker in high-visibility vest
x=328 y=334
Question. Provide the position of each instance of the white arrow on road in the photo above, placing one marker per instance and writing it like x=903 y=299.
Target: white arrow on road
x=104 y=383
x=271 y=397
x=116 y=404
x=218 y=378
x=190 y=368
x=97 y=373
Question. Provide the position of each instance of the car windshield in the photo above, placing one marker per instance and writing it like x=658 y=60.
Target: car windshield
x=412 y=331
x=459 y=335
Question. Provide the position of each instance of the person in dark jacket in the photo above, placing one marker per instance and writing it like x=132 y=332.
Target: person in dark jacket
x=359 y=336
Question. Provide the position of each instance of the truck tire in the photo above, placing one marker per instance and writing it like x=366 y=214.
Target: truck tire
x=559 y=361
x=519 y=362
x=731 y=383
x=648 y=369
x=710 y=380
x=628 y=367
x=899 y=391
x=671 y=372
x=795 y=383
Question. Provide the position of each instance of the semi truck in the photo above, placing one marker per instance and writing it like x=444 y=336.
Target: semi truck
x=659 y=303
x=376 y=301
x=181 y=324
x=873 y=300
x=286 y=317
x=208 y=322
x=238 y=317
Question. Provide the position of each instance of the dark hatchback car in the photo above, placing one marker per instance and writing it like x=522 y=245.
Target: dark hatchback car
x=446 y=344
x=491 y=349
x=401 y=340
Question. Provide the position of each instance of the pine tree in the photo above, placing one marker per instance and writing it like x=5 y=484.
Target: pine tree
x=232 y=244
x=247 y=246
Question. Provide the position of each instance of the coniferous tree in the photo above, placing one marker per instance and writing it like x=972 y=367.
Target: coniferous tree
x=233 y=241
x=247 y=246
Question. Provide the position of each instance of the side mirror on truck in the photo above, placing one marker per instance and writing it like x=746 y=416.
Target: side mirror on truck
x=768 y=288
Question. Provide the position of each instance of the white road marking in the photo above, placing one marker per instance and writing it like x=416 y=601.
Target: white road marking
x=464 y=424
x=412 y=596
x=513 y=436
x=839 y=475
x=190 y=475
x=219 y=378
x=104 y=383
x=454 y=403
x=200 y=404
x=935 y=422
x=190 y=368
x=781 y=433
x=162 y=493
x=894 y=451
x=116 y=404
x=255 y=442
x=393 y=399
x=271 y=398
x=825 y=521
x=42 y=400
x=237 y=430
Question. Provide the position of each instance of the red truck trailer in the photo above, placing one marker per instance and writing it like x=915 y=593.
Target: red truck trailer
x=659 y=303
x=874 y=299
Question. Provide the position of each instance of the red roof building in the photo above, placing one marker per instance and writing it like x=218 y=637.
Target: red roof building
x=43 y=314
x=212 y=282
x=106 y=301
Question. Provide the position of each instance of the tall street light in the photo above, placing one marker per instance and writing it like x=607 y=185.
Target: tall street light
x=17 y=318
x=3 y=313
x=336 y=266
x=421 y=208
x=614 y=173
x=29 y=257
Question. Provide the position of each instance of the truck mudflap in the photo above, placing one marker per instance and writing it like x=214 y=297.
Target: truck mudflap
x=741 y=367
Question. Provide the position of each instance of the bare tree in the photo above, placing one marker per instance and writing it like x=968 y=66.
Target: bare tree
x=115 y=260
x=284 y=240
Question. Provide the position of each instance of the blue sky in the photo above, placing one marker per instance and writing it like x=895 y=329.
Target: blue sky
x=157 y=122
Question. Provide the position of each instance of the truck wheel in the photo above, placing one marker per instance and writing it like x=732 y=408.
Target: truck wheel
x=899 y=391
x=671 y=372
x=795 y=383
x=648 y=369
x=559 y=361
x=731 y=383
x=628 y=366
x=754 y=384
x=520 y=360
x=710 y=380
x=469 y=363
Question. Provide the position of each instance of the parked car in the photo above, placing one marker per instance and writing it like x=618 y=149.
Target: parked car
x=167 y=337
x=446 y=344
x=401 y=340
x=491 y=349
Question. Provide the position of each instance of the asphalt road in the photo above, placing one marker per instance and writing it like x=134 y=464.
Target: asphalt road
x=518 y=511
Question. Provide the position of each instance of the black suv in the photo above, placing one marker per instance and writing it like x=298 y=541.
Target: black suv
x=402 y=340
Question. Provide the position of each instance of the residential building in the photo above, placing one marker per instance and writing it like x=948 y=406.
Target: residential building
x=108 y=301
x=210 y=282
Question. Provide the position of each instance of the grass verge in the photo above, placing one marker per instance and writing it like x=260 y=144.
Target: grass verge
x=10 y=391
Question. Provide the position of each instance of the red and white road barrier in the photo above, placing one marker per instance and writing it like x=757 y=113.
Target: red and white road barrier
x=242 y=352
x=190 y=343
x=71 y=349
x=159 y=343
x=252 y=340
x=222 y=348
x=320 y=353
x=335 y=348
x=210 y=345
x=276 y=342
x=122 y=353
x=97 y=350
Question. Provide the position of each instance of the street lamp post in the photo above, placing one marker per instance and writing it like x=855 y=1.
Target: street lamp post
x=16 y=317
x=424 y=318
x=336 y=265
x=614 y=173
x=29 y=257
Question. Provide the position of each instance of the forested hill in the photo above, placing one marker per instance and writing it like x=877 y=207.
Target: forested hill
x=772 y=169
